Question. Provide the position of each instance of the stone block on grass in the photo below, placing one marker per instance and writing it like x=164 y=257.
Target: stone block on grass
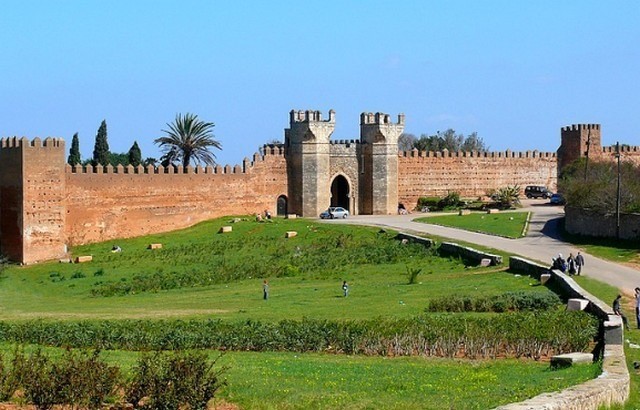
x=568 y=359
x=290 y=234
x=577 y=304
x=154 y=246
x=225 y=229
x=291 y=216
x=463 y=212
x=544 y=278
x=83 y=259
x=493 y=211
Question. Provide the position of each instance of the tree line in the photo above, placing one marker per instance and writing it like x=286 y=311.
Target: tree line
x=448 y=140
x=187 y=139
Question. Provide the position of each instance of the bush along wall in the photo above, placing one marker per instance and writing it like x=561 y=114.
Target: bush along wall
x=487 y=335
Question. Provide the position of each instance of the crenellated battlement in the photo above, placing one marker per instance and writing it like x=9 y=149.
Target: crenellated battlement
x=580 y=127
x=310 y=116
x=379 y=118
x=611 y=149
x=24 y=142
x=476 y=154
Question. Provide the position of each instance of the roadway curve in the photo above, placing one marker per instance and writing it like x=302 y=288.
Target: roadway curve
x=541 y=243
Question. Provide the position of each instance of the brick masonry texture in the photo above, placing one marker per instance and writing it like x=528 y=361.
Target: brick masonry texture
x=46 y=205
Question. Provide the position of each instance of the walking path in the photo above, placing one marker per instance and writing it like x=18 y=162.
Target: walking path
x=541 y=242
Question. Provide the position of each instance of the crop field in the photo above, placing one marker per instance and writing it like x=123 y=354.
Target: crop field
x=309 y=346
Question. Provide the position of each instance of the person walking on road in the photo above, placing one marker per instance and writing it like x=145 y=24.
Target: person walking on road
x=579 y=263
x=637 y=290
x=618 y=312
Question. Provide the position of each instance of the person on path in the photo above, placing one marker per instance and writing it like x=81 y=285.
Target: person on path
x=265 y=290
x=345 y=288
x=571 y=264
x=579 y=263
x=618 y=312
x=637 y=290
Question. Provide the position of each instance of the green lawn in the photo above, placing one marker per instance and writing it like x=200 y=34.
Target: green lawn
x=507 y=224
x=606 y=248
x=200 y=273
x=374 y=264
x=607 y=293
x=281 y=380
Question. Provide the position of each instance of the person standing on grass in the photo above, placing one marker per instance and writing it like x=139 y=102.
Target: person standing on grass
x=618 y=312
x=265 y=290
x=579 y=263
x=637 y=290
x=571 y=264
x=345 y=288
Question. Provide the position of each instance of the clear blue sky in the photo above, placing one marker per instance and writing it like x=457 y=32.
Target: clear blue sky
x=514 y=71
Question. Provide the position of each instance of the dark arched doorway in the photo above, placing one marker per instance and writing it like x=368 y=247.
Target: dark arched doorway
x=340 y=192
x=281 y=205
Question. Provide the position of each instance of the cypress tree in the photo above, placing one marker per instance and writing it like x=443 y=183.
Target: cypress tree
x=101 y=148
x=135 y=155
x=74 y=151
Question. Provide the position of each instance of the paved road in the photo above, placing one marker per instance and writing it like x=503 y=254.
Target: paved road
x=541 y=242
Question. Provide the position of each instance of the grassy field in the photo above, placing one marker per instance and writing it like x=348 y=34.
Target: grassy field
x=200 y=273
x=612 y=249
x=607 y=293
x=507 y=224
x=305 y=274
x=319 y=381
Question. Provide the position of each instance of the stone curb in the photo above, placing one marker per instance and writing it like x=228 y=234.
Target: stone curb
x=613 y=384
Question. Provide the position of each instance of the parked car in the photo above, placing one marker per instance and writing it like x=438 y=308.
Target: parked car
x=557 y=199
x=334 y=212
x=537 y=191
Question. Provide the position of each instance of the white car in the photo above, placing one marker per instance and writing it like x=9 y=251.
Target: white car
x=334 y=212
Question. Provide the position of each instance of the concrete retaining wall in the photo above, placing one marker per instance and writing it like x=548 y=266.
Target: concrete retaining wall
x=469 y=253
x=414 y=238
x=612 y=386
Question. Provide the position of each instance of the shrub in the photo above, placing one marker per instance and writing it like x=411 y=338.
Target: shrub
x=179 y=380
x=412 y=274
x=509 y=301
x=452 y=200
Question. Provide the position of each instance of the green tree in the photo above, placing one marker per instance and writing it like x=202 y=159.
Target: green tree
x=188 y=138
x=406 y=141
x=101 y=147
x=74 y=151
x=450 y=141
x=116 y=159
x=135 y=155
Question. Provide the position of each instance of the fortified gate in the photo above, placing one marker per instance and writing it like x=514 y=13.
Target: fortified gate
x=48 y=206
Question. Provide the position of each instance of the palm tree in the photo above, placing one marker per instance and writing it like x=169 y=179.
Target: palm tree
x=188 y=138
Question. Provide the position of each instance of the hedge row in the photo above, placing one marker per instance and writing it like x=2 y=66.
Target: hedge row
x=509 y=301
x=82 y=380
x=518 y=334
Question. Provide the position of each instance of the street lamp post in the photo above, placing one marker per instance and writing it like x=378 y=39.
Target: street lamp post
x=617 y=155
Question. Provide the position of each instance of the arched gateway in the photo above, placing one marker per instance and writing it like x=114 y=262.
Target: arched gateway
x=340 y=192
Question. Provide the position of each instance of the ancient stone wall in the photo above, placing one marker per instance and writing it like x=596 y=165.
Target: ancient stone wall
x=471 y=174
x=584 y=222
x=127 y=202
x=32 y=192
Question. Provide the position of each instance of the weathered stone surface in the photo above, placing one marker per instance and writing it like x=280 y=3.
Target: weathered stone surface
x=225 y=229
x=463 y=212
x=469 y=253
x=568 y=359
x=493 y=211
x=290 y=234
x=544 y=278
x=577 y=304
x=485 y=262
x=291 y=216
x=83 y=259
x=154 y=246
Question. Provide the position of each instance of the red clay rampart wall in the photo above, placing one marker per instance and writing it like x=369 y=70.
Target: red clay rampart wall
x=105 y=204
x=471 y=174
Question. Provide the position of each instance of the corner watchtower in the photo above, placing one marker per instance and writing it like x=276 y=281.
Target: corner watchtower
x=578 y=141
x=32 y=199
x=307 y=151
x=379 y=162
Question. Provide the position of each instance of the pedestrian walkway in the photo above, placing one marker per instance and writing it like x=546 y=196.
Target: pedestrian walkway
x=540 y=244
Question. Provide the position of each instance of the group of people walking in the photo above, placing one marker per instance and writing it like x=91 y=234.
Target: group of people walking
x=572 y=265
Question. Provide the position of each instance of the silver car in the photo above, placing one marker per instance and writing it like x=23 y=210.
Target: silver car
x=334 y=212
